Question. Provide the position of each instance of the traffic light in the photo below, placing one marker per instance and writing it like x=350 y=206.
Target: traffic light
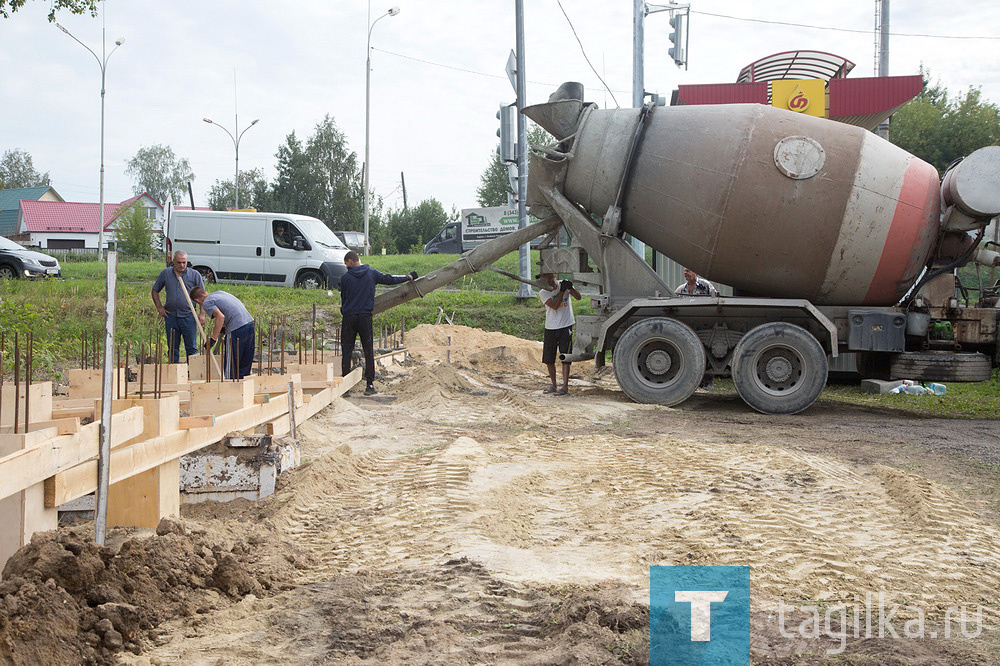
x=507 y=115
x=678 y=37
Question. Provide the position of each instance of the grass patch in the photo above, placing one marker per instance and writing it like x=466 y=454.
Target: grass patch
x=973 y=400
x=59 y=311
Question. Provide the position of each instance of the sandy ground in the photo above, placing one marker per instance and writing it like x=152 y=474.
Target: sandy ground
x=461 y=516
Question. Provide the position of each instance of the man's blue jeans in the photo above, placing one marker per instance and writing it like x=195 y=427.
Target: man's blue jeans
x=177 y=328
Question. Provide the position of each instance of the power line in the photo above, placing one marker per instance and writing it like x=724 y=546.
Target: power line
x=467 y=71
x=833 y=29
x=584 y=52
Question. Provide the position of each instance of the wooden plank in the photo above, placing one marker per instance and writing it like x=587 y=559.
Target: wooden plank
x=141 y=456
x=65 y=403
x=221 y=397
x=64 y=426
x=312 y=385
x=278 y=427
x=60 y=413
x=143 y=499
x=13 y=442
x=188 y=422
x=24 y=468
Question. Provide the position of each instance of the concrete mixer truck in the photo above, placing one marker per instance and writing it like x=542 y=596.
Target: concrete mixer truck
x=833 y=240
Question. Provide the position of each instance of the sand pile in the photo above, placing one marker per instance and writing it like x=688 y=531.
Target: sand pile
x=525 y=355
x=445 y=380
x=446 y=394
x=64 y=599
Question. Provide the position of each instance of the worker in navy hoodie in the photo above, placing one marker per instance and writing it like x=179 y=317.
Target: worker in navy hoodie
x=357 y=300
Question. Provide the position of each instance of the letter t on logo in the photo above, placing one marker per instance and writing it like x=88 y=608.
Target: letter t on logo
x=701 y=610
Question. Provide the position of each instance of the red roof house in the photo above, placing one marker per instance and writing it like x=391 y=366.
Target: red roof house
x=60 y=225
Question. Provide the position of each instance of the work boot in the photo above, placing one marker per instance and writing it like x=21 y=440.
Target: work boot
x=370 y=390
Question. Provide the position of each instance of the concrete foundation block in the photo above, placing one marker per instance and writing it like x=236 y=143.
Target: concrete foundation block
x=879 y=386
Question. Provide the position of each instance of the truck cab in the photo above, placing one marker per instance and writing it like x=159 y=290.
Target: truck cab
x=447 y=241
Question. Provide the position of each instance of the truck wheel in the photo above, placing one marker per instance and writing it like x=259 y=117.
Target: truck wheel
x=8 y=272
x=941 y=366
x=207 y=274
x=310 y=280
x=659 y=361
x=779 y=368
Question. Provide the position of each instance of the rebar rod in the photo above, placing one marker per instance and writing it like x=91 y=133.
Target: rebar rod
x=17 y=379
x=27 y=378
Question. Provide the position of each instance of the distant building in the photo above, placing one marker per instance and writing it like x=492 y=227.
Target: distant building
x=10 y=204
x=69 y=225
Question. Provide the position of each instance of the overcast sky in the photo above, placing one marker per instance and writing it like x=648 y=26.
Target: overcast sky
x=437 y=75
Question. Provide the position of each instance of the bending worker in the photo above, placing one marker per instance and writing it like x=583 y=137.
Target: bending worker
x=231 y=316
x=177 y=316
x=357 y=301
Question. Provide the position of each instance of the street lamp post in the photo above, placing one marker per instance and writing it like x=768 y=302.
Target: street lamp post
x=368 y=93
x=236 y=144
x=103 y=63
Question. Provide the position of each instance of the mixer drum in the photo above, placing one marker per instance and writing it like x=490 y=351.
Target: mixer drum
x=768 y=201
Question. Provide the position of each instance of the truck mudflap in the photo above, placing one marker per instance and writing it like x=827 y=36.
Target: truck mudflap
x=719 y=307
x=333 y=271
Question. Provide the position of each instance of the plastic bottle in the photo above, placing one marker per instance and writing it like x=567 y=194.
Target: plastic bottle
x=937 y=389
x=916 y=389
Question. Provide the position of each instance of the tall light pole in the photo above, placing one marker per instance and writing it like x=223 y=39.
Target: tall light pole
x=103 y=63
x=368 y=116
x=236 y=144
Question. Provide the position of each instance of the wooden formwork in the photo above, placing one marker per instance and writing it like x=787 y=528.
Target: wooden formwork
x=55 y=461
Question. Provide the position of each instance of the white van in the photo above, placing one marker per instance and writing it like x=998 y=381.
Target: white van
x=258 y=248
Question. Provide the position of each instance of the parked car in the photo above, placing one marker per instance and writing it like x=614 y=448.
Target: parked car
x=354 y=240
x=258 y=248
x=17 y=261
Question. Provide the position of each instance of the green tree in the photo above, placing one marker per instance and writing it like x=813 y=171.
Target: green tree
x=407 y=231
x=17 y=170
x=255 y=192
x=494 y=185
x=939 y=130
x=7 y=7
x=134 y=232
x=158 y=172
x=320 y=178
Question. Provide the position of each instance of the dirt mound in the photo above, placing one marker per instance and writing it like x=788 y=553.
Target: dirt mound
x=504 y=359
x=64 y=599
x=454 y=612
x=433 y=379
x=469 y=343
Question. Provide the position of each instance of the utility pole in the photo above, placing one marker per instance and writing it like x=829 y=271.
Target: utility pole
x=524 y=290
x=638 y=79
x=402 y=180
x=883 y=54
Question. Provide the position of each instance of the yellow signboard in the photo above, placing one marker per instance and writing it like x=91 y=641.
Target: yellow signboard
x=806 y=96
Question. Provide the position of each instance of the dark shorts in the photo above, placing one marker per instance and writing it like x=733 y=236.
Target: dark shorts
x=556 y=341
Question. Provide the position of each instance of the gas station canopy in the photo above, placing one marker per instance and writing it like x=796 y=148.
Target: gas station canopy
x=864 y=102
x=796 y=65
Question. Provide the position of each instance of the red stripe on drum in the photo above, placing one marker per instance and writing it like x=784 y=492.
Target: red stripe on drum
x=914 y=227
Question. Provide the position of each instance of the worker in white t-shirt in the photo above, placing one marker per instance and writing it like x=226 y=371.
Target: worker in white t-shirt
x=559 y=322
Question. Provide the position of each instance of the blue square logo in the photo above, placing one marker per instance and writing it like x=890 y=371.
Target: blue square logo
x=699 y=616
